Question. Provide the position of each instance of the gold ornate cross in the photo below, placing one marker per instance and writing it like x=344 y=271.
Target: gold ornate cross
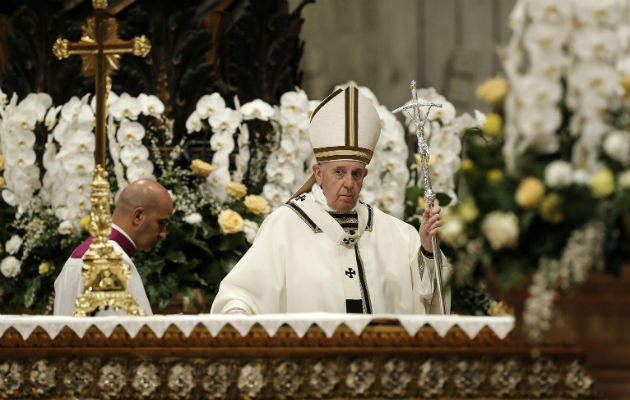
x=104 y=275
x=100 y=48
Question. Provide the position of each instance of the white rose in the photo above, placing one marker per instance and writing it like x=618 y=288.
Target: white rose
x=12 y=245
x=193 y=218
x=10 y=267
x=623 y=179
x=501 y=229
x=453 y=232
x=617 y=146
x=251 y=229
x=558 y=174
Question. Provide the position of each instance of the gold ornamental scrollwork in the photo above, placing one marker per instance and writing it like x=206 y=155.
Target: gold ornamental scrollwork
x=60 y=48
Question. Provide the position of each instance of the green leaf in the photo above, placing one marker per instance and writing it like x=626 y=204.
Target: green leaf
x=443 y=198
x=31 y=293
x=412 y=194
x=176 y=256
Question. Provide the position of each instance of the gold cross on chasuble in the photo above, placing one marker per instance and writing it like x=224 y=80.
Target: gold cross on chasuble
x=105 y=276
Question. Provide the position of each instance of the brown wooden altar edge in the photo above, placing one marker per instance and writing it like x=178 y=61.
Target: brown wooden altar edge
x=384 y=361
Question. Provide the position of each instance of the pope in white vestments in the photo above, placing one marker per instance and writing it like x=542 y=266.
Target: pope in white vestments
x=325 y=251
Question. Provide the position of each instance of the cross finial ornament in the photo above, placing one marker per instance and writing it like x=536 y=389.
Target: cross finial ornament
x=423 y=149
x=105 y=276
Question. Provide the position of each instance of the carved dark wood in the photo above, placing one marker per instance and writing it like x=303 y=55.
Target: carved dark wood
x=236 y=47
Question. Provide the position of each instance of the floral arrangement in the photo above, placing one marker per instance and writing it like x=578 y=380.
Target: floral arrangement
x=546 y=189
x=235 y=165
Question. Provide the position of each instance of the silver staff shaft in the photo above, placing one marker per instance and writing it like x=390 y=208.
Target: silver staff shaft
x=437 y=256
x=429 y=196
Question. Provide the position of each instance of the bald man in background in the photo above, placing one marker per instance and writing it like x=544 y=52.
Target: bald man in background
x=144 y=208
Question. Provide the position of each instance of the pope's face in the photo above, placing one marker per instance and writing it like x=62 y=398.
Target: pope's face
x=341 y=182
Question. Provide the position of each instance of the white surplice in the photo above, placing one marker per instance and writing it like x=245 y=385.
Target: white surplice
x=69 y=284
x=302 y=260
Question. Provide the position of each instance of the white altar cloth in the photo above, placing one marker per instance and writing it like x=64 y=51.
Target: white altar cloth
x=300 y=323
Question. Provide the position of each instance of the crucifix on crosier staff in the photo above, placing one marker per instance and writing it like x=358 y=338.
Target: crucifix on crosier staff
x=429 y=196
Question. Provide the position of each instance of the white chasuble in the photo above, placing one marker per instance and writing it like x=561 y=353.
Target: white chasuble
x=305 y=259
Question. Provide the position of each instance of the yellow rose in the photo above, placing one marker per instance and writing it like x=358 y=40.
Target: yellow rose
x=551 y=208
x=493 y=90
x=493 y=124
x=200 y=168
x=1 y=162
x=529 y=192
x=85 y=223
x=1 y=182
x=625 y=83
x=256 y=204
x=230 y=221
x=468 y=211
x=467 y=164
x=45 y=267
x=602 y=183
x=494 y=174
x=235 y=189
x=422 y=204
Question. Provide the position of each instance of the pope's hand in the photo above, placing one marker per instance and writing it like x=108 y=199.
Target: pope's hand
x=430 y=225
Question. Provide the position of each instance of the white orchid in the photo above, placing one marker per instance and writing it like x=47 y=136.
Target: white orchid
x=594 y=78
x=601 y=12
x=227 y=120
x=193 y=123
x=532 y=122
x=257 y=109
x=78 y=163
x=51 y=117
x=77 y=110
x=550 y=11
x=20 y=157
x=593 y=42
x=130 y=133
x=133 y=153
x=210 y=104
x=275 y=194
x=125 y=106
x=65 y=228
x=222 y=141
x=150 y=105
x=537 y=91
x=295 y=102
x=140 y=169
x=544 y=38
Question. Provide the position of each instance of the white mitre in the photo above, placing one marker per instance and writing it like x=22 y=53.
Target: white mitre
x=344 y=126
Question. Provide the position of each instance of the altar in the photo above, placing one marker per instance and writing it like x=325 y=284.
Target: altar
x=281 y=356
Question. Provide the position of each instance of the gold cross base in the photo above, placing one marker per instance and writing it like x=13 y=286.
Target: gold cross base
x=90 y=301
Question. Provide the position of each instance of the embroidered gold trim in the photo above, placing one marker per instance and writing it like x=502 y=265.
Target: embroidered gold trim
x=345 y=152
